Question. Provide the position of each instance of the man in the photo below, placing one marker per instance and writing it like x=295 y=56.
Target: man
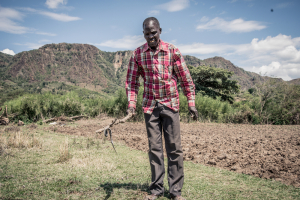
x=160 y=65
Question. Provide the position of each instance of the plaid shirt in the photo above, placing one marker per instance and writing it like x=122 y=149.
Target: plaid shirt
x=160 y=71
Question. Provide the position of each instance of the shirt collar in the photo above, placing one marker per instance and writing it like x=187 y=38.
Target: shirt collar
x=162 y=46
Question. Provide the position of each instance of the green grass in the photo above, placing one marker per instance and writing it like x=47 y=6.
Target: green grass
x=90 y=169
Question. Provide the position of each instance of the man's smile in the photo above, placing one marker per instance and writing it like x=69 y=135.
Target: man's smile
x=152 y=40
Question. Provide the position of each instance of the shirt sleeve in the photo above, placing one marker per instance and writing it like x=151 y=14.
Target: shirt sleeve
x=132 y=81
x=184 y=77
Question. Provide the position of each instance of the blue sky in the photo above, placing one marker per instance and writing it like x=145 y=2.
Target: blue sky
x=245 y=32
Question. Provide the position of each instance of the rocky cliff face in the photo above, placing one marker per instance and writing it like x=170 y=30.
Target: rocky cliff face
x=121 y=59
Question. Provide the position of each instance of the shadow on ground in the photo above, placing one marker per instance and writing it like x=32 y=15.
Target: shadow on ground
x=142 y=189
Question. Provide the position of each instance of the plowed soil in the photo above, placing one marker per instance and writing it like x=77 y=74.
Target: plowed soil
x=266 y=151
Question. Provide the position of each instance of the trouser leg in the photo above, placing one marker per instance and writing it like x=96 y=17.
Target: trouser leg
x=168 y=120
x=156 y=157
x=171 y=128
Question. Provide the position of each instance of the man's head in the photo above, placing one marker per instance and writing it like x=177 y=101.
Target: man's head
x=152 y=31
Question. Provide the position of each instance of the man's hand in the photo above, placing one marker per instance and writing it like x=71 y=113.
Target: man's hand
x=194 y=112
x=130 y=110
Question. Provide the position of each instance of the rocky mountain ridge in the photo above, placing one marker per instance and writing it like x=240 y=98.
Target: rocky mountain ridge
x=87 y=66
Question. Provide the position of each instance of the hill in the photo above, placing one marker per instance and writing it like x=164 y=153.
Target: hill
x=70 y=63
x=85 y=66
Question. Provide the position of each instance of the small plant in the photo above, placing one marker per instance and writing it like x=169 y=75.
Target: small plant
x=98 y=144
x=2 y=150
x=64 y=154
x=88 y=143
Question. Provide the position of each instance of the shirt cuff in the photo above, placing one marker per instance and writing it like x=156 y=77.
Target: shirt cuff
x=191 y=103
x=131 y=104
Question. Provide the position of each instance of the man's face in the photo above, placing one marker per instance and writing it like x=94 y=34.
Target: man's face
x=152 y=34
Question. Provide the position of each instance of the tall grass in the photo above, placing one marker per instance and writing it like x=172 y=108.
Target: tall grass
x=35 y=107
x=209 y=109
x=118 y=105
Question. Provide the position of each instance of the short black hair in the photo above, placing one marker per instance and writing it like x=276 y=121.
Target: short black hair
x=151 y=19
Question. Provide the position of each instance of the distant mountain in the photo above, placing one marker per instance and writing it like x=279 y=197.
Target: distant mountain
x=245 y=78
x=295 y=81
x=75 y=63
x=88 y=67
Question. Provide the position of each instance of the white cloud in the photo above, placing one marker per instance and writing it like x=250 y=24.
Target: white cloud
x=7 y=23
x=56 y=16
x=44 y=33
x=278 y=56
x=127 y=42
x=236 y=25
x=153 y=12
x=10 y=13
x=204 y=19
x=278 y=46
x=60 y=17
x=289 y=53
x=28 y=9
x=276 y=69
x=8 y=51
x=232 y=1
x=54 y=3
x=212 y=7
x=174 y=5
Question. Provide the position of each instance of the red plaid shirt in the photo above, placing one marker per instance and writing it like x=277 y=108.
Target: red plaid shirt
x=160 y=71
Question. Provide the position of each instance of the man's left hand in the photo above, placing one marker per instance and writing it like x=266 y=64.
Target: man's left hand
x=194 y=112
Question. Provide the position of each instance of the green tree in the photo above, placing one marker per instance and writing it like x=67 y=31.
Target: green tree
x=278 y=102
x=214 y=82
x=69 y=46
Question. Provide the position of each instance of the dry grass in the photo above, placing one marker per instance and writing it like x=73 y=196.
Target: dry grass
x=64 y=154
x=19 y=139
x=11 y=129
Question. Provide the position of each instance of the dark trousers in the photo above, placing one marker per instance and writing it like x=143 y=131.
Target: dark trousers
x=164 y=118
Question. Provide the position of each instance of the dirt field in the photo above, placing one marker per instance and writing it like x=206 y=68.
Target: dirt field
x=265 y=151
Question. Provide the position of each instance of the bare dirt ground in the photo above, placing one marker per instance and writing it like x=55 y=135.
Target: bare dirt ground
x=266 y=151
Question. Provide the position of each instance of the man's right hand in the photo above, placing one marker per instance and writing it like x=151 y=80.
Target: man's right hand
x=130 y=110
x=194 y=113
